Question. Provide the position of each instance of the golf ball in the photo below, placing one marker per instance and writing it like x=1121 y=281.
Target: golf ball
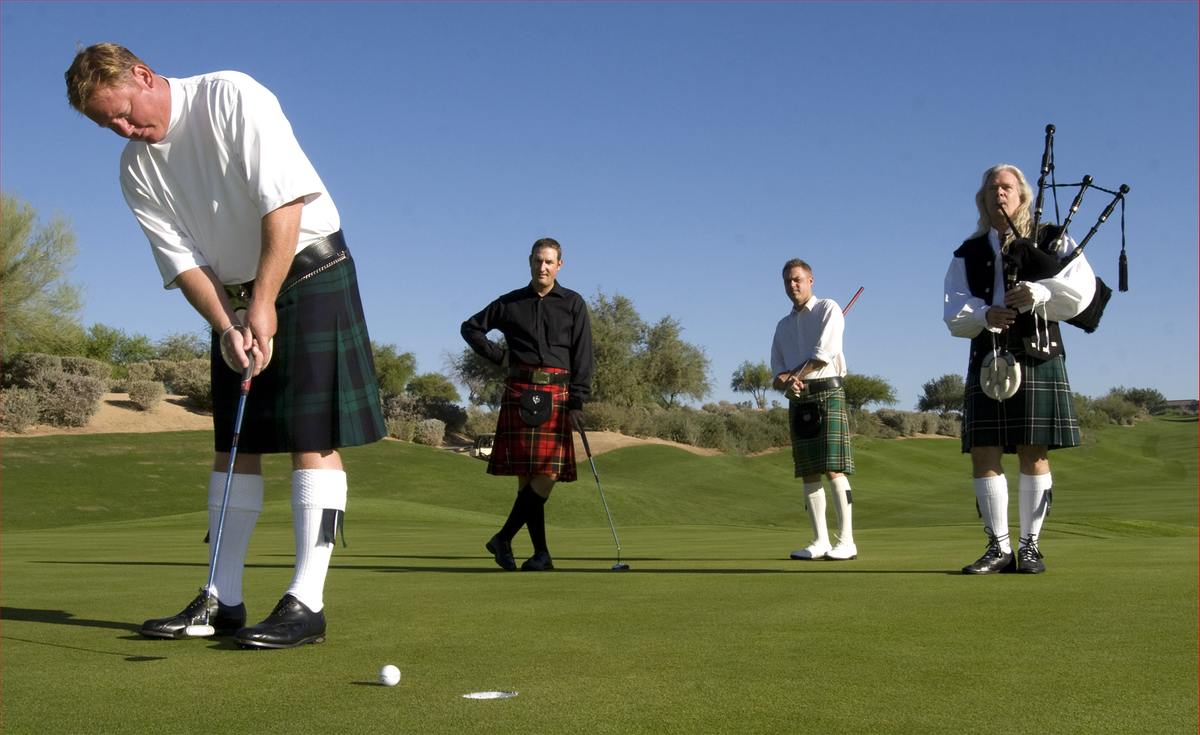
x=389 y=676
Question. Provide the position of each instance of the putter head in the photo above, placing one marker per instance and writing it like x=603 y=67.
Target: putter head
x=620 y=566
x=196 y=631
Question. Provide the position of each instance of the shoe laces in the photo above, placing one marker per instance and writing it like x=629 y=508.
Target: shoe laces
x=994 y=551
x=1029 y=550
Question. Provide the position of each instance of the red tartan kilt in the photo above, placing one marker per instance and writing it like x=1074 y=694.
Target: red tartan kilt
x=520 y=449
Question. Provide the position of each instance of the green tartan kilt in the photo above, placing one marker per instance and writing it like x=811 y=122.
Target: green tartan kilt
x=829 y=450
x=319 y=391
x=1042 y=412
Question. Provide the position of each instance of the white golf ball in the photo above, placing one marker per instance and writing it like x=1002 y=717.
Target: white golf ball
x=389 y=676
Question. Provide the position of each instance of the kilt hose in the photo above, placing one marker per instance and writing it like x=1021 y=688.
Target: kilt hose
x=524 y=450
x=319 y=391
x=829 y=450
x=1041 y=412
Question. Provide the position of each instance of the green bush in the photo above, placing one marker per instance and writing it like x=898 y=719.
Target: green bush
x=430 y=432
x=145 y=393
x=194 y=380
x=752 y=431
x=602 y=416
x=87 y=366
x=1118 y=410
x=401 y=429
x=69 y=400
x=140 y=371
x=18 y=409
x=950 y=425
x=416 y=408
x=904 y=423
x=26 y=368
x=480 y=421
x=165 y=371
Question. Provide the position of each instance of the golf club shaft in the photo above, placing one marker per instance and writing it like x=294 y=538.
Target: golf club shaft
x=237 y=429
x=587 y=448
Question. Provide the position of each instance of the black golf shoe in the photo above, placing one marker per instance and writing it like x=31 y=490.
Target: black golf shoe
x=993 y=560
x=502 y=550
x=1029 y=560
x=539 y=562
x=225 y=619
x=290 y=624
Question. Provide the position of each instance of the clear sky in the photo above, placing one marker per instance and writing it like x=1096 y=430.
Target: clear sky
x=680 y=152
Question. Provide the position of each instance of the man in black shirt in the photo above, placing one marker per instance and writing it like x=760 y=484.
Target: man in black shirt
x=550 y=365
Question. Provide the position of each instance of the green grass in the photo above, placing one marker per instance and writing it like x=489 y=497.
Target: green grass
x=713 y=630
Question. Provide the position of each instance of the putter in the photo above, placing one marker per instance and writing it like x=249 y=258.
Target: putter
x=205 y=630
x=618 y=565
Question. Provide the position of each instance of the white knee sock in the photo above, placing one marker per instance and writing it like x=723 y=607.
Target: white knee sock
x=313 y=492
x=241 y=514
x=814 y=497
x=842 y=501
x=1033 y=499
x=992 y=494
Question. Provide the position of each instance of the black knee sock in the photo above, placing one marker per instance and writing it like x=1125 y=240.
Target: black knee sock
x=535 y=521
x=519 y=514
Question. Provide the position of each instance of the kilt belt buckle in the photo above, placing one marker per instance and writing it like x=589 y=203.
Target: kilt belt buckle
x=539 y=377
x=239 y=294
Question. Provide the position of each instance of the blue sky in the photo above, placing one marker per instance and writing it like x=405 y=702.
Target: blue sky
x=680 y=152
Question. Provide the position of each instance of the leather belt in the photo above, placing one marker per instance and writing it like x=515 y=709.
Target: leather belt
x=816 y=386
x=539 y=377
x=321 y=253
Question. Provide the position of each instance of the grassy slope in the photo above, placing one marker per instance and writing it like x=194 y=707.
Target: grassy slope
x=713 y=630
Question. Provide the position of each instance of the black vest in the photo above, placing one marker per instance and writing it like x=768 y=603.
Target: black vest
x=1020 y=338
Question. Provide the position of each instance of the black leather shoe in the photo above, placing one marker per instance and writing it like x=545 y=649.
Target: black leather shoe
x=539 y=562
x=290 y=624
x=993 y=560
x=1029 y=560
x=502 y=550
x=225 y=619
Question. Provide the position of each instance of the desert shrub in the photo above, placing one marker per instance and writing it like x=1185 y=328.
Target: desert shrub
x=140 y=371
x=415 y=408
x=1117 y=409
x=25 y=368
x=165 y=372
x=18 y=409
x=402 y=429
x=194 y=380
x=480 y=421
x=602 y=416
x=865 y=423
x=87 y=366
x=145 y=393
x=757 y=431
x=904 y=423
x=69 y=400
x=725 y=408
x=928 y=421
x=950 y=425
x=430 y=432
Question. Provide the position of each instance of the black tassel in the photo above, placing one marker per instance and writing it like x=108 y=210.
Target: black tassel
x=206 y=537
x=1123 y=278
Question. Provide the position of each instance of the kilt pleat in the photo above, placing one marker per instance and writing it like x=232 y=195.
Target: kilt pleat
x=520 y=449
x=1042 y=412
x=320 y=391
x=829 y=450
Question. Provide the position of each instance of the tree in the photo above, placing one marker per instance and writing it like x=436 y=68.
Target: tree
x=943 y=395
x=671 y=367
x=483 y=379
x=39 y=308
x=1146 y=398
x=433 y=385
x=753 y=379
x=394 y=369
x=864 y=389
x=617 y=333
x=183 y=346
x=115 y=347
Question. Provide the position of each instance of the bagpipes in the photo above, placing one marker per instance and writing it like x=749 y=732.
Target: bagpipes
x=1034 y=261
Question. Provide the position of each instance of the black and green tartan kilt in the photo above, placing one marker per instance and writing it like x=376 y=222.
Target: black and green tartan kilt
x=1042 y=412
x=320 y=391
x=829 y=450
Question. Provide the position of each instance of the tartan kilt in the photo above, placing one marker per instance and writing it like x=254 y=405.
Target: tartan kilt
x=320 y=391
x=520 y=449
x=829 y=451
x=1042 y=412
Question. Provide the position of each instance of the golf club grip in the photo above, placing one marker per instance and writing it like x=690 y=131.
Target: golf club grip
x=247 y=374
x=586 y=448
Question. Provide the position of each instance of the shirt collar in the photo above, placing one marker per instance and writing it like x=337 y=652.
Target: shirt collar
x=807 y=306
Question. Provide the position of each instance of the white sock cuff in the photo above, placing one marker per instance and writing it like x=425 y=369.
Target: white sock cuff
x=990 y=485
x=840 y=484
x=319 y=489
x=814 y=488
x=245 y=492
x=1034 y=483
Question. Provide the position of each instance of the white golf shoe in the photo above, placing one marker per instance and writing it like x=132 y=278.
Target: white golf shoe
x=842 y=552
x=815 y=550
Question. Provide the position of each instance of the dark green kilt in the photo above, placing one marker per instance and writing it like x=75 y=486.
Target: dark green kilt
x=320 y=391
x=829 y=450
x=1041 y=412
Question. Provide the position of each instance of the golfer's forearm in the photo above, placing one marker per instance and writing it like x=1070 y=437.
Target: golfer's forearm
x=280 y=233
x=206 y=295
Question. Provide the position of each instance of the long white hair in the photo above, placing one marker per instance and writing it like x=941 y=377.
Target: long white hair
x=1023 y=219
